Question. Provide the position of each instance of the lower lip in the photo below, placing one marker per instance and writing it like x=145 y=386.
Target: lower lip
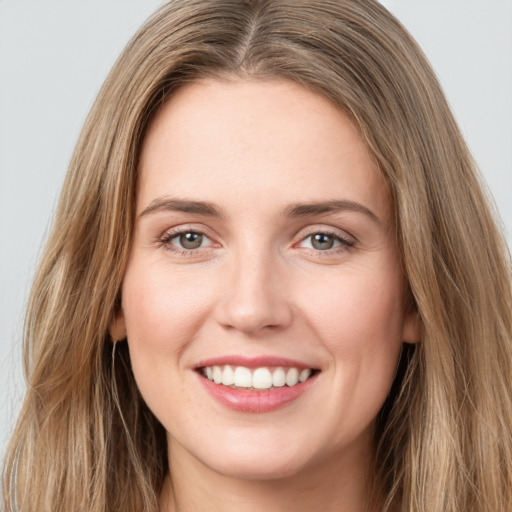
x=244 y=400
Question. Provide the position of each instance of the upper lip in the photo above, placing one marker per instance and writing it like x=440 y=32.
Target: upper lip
x=253 y=362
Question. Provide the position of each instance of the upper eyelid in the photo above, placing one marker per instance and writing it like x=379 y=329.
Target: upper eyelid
x=327 y=230
x=165 y=239
x=344 y=243
x=302 y=234
x=187 y=228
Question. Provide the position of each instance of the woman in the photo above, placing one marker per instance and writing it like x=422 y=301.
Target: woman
x=273 y=282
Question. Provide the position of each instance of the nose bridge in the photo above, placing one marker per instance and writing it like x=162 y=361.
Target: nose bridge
x=253 y=295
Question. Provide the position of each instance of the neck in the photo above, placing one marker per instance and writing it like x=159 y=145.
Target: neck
x=339 y=484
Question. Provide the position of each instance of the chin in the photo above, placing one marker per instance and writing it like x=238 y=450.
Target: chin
x=258 y=468
x=256 y=461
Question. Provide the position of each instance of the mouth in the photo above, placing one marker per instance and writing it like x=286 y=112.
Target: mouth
x=256 y=385
x=264 y=378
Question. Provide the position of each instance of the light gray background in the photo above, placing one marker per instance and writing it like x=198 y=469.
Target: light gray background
x=54 y=55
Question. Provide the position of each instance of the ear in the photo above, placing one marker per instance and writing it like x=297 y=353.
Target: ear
x=411 y=331
x=117 y=329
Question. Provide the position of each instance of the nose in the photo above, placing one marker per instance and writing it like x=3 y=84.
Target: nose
x=254 y=297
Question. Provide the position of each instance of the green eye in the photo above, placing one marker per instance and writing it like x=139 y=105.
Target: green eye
x=325 y=241
x=190 y=240
x=186 y=241
x=322 y=242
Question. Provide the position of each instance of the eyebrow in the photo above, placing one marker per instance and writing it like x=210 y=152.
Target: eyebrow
x=182 y=205
x=208 y=209
x=304 y=209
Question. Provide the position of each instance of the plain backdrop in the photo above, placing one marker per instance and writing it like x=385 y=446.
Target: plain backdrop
x=54 y=55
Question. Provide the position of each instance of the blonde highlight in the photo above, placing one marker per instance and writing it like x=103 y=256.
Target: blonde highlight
x=86 y=441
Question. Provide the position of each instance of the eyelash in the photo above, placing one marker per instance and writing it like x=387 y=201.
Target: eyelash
x=164 y=242
x=345 y=243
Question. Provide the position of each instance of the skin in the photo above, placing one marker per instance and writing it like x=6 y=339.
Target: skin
x=258 y=285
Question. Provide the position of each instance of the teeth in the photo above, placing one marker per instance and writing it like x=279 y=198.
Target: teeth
x=243 y=377
x=262 y=378
x=217 y=375
x=292 y=377
x=228 y=376
x=304 y=375
x=259 y=378
x=278 y=378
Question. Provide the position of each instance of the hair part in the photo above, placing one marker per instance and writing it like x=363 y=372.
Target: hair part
x=85 y=440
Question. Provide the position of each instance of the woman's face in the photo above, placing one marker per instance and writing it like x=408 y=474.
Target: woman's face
x=264 y=255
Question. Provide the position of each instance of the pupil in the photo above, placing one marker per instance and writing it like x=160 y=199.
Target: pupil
x=321 y=241
x=191 y=240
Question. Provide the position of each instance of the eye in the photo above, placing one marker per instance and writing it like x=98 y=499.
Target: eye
x=189 y=240
x=185 y=241
x=323 y=241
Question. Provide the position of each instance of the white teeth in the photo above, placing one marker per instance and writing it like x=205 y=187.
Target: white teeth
x=292 y=377
x=262 y=378
x=243 y=377
x=304 y=375
x=228 y=376
x=217 y=375
x=278 y=378
x=259 y=378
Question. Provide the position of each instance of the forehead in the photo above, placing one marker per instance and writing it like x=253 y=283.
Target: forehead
x=270 y=141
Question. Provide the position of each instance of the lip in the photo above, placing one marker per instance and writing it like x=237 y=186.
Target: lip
x=251 y=401
x=253 y=362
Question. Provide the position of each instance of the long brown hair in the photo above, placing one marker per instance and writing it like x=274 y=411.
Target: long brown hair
x=85 y=440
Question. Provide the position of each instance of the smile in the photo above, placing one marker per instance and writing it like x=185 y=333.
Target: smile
x=256 y=379
x=255 y=385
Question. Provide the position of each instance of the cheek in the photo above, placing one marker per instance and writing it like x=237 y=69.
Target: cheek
x=162 y=313
x=356 y=311
x=159 y=301
x=359 y=322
